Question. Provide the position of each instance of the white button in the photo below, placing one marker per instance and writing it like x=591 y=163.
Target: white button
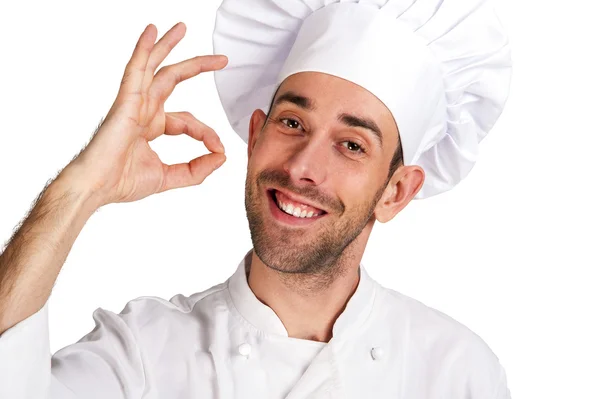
x=245 y=349
x=376 y=353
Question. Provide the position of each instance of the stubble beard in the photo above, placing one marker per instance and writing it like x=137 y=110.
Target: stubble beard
x=289 y=251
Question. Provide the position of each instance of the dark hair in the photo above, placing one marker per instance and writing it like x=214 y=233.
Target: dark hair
x=397 y=158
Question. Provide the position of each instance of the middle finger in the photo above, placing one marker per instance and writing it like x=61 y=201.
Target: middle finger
x=168 y=77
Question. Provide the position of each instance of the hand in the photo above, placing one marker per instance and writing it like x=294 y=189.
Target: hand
x=118 y=162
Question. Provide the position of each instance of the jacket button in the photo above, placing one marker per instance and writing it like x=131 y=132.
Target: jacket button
x=377 y=353
x=245 y=349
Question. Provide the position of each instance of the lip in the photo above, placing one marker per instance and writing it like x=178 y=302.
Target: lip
x=285 y=218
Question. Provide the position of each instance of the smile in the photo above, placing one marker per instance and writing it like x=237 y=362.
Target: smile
x=295 y=208
x=292 y=211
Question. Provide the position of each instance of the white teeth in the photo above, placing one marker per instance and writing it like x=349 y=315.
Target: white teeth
x=295 y=211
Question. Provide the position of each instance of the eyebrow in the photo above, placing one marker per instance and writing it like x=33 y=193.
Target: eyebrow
x=347 y=119
x=294 y=98
x=365 y=123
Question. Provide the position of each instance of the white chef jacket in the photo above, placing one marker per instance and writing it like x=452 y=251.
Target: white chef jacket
x=224 y=343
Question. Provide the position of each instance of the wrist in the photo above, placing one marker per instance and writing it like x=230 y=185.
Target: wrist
x=74 y=180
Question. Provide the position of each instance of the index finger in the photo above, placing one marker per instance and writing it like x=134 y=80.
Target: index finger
x=184 y=122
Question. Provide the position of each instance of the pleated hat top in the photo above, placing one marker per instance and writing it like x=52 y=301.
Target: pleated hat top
x=442 y=67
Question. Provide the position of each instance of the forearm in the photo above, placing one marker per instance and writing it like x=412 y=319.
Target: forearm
x=32 y=260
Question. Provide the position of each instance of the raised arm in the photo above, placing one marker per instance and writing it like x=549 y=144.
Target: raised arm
x=118 y=165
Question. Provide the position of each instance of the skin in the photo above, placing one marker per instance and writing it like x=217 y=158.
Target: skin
x=307 y=292
x=306 y=274
x=117 y=165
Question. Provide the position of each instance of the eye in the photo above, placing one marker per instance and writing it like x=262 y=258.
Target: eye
x=290 y=123
x=354 y=147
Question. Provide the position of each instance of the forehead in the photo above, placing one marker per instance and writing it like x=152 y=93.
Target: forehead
x=333 y=95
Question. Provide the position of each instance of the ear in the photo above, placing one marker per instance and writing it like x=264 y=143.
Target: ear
x=401 y=189
x=257 y=122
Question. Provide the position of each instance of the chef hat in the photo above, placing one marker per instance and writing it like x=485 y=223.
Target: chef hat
x=442 y=67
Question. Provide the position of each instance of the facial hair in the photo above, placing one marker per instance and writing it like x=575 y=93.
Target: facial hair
x=294 y=251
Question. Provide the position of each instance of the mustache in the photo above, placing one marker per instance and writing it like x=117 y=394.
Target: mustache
x=283 y=180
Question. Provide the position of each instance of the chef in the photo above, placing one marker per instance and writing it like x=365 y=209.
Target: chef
x=350 y=109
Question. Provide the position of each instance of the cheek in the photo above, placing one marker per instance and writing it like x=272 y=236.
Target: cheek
x=354 y=188
x=359 y=187
x=269 y=149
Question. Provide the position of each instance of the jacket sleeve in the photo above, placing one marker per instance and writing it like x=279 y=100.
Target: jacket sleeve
x=486 y=377
x=502 y=392
x=105 y=363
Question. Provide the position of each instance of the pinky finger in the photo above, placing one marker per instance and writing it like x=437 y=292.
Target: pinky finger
x=191 y=173
x=136 y=67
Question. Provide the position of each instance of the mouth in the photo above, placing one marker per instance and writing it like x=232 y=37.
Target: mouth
x=292 y=211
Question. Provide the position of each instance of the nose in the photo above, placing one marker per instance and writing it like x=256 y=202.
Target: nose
x=308 y=162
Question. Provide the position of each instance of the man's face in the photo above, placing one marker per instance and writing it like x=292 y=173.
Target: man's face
x=316 y=170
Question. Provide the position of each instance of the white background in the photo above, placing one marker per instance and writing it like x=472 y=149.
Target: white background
x=511 y=252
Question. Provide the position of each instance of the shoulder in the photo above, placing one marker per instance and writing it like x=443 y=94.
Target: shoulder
x=147 y=312
x=444 y=346
x=417 y=314
x=423 y=321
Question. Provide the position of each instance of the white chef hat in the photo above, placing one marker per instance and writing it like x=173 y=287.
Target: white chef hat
x=442 y=67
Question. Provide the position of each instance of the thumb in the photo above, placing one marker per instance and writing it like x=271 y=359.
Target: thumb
x=191 y=173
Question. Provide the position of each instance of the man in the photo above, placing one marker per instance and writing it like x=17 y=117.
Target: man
x=371 y=106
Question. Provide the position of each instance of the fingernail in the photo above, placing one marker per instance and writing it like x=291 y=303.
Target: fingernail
x=225 y=58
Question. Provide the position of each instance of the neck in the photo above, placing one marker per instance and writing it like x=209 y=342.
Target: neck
x=309 y=304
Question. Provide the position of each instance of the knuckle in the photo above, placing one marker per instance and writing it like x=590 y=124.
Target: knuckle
x=164 y=71
x=152 y=65
x=126 y=78
x=156 y=92
x=130 y=71
x=170 y=73
x=200 y=179
x=161 y=71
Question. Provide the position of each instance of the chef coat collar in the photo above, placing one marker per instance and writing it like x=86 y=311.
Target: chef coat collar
x=265 y=319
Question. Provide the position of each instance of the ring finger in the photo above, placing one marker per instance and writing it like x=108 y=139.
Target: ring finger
x=160 y=51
